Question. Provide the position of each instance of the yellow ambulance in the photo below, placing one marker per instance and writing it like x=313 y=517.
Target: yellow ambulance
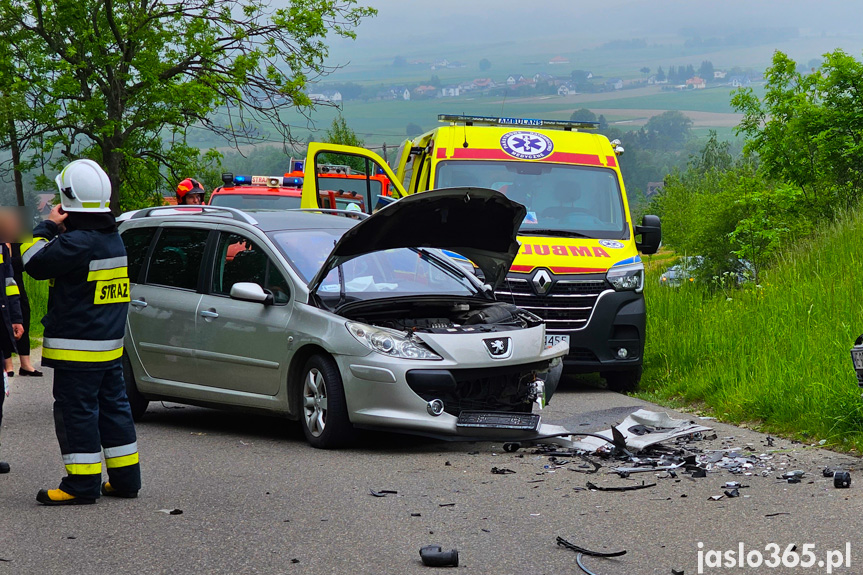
x=579 y=266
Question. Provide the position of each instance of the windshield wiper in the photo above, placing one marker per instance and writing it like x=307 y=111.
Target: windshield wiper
x=551 y=232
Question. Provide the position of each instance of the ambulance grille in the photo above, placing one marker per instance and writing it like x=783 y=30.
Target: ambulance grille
x=566 y=307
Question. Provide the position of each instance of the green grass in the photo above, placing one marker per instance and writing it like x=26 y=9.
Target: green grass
x=776 y=355
x=37 y=292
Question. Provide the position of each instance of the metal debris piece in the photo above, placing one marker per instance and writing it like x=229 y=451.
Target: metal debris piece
x=776 y=514
x=435 y=556
x=620 y=488
x=841 y=479
x=382 y=492
x=501 y=471
x=564 y=543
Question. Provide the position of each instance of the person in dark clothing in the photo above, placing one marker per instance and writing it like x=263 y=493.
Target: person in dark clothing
x=23 y=344
x=10 y=322
x=84 y=328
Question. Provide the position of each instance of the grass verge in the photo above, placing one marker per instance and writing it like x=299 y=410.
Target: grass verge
x=774 y=355
x=37 y=292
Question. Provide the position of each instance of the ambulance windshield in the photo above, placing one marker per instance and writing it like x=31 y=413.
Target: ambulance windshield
x=561 y=199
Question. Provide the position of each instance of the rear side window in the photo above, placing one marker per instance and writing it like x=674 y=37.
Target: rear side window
x=177 y=257
x=137 y=242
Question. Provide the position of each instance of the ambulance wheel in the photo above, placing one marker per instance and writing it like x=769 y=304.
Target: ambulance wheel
x=323 y=409
x=623 y=381
x=137 y=402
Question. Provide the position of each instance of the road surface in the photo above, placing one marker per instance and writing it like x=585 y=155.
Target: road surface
x=256 y=499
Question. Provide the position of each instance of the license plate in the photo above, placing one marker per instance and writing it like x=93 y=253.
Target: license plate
x=553 y=340
x=857 y=357
x=498 y=420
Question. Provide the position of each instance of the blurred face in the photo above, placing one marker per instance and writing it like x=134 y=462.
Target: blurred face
x=10 y=225
x=193 y=199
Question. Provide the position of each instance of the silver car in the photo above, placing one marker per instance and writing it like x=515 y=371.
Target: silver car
x=337 y=322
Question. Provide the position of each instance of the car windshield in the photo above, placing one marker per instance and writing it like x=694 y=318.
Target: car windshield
x=561 y=199
x=256 y=201
x=383 y=274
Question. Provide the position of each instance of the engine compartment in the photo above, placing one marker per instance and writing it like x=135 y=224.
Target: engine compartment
x=446 y=317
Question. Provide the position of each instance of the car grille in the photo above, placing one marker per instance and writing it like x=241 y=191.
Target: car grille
x=566 y=307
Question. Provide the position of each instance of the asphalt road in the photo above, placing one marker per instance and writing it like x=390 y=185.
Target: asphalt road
x=256 y=499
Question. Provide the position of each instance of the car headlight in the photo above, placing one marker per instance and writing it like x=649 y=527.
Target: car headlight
x=627 y=278
x=389 y=343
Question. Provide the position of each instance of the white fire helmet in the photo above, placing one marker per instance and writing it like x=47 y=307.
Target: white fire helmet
x=84 y=187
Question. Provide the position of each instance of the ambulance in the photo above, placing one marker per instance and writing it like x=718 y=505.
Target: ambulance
x=579 y=267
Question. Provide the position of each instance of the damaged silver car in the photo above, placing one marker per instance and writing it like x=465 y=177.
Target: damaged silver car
x=336 y=322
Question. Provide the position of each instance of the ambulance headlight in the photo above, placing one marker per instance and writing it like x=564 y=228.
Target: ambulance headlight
x=627 y=278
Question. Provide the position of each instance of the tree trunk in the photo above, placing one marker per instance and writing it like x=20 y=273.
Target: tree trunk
x=15 y=147
x=112 y=163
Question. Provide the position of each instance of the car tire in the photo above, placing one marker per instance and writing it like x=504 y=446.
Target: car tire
x=623 y=381
x=323 y=409
x=137 y=402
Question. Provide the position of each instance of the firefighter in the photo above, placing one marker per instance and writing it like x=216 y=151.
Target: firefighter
x=190 y=193
x=79 y=250
x=11 y=321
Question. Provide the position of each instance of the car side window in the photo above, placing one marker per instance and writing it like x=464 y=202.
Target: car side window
x=239 y=259
x=137 y=242
x=177 y=256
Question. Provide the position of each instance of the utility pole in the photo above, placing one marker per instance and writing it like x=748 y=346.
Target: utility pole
x=385 y=153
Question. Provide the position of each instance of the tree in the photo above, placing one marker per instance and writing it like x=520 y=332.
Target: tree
x=484 y=65
x=582 y=115
x=645 y=70
x=435 y=81
x=340 y=133
x=706 y=71
x=672 y=75
x=660 y=74
x=413 y=130
x=667 y=131
x=603 y=123
x=399 y=62
x=124 y=81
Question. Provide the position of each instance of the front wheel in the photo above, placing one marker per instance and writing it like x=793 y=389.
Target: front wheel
x=623 y=381
x=324 y=411
x=137 y=402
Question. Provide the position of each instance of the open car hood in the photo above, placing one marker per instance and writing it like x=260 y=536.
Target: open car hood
x=478 y=223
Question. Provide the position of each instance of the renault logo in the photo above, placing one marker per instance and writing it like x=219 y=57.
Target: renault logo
x=541 y=282
x=499 y=347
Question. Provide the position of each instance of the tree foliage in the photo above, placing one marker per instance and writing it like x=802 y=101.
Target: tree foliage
x=484 y=65
x=123 y=81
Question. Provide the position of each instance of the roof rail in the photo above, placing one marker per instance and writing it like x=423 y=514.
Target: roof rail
x=362 y=215
x=233 y=212
x=530 y=122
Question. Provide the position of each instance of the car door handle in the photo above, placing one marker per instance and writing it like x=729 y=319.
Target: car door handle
x=138 y=303
x=209 y=314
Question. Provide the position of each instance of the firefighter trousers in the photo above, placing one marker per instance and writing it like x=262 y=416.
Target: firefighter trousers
x=91 y=413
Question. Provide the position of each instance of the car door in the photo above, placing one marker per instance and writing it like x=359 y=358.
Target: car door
x=163 y=310
x=359 y=161
x=242 y=345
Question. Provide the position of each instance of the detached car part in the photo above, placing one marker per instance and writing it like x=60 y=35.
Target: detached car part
x=435 y=556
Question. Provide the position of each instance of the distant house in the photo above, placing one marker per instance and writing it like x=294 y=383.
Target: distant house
x=514 y=79
x=696 y=83
x=615 y=84
x=654 y=80
x=543 y=78
x=45 y=203
x=450 y=91
x=438 y=64
x=400 y=93
x=455 y=65
x=332 y=96
x=558 y=60
x=654 y=188
x=740 y=81
x=566 y=89
x=719 y=74
x=424 y=91
x=466 y=87
x=483 y=83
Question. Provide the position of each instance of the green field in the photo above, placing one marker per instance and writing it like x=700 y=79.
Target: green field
x=776 y=355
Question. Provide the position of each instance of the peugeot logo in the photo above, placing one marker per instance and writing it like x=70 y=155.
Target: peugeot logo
x=541 y=282
x=499 y=347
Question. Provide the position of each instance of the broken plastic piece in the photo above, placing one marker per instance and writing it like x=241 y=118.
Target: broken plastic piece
x=798 y=473
x=715 y=497
x=699 y=473
x=512 y=446
x=676 y=572
x=581 y=565
x=621 y=488
x=732 y=493
x=435 y=556
x=841 y=480
x=827 y=472
x=501 y=471
x=564 y=543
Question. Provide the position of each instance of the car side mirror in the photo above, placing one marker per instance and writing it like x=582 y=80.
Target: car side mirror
x=248 y=291
x=650 y=231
